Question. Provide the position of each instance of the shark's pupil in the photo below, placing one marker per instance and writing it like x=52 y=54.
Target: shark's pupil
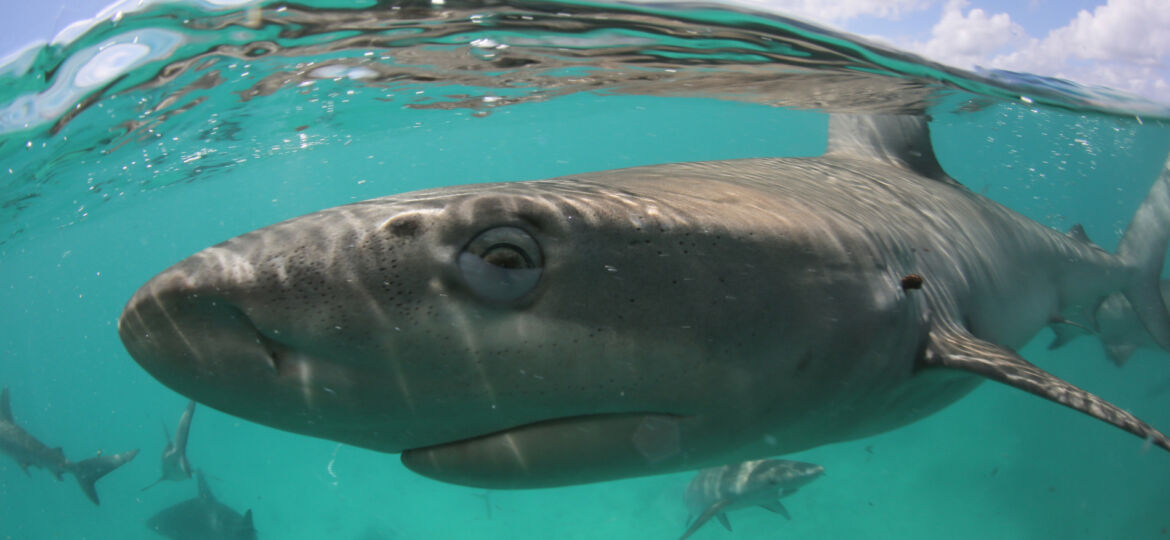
x=507 y=256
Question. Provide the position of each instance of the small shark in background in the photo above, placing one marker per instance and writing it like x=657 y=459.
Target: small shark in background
x=202 y=518
x=30 y=452
x=174 y=457
x=717 y=490
x=1116 y=325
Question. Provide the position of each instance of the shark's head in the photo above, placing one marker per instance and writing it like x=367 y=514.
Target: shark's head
x=513 y=335
x=785 y=474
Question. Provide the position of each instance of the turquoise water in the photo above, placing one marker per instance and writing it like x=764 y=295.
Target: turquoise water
x=201 y=125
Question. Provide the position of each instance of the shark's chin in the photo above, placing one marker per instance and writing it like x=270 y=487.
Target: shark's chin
x=559 y=452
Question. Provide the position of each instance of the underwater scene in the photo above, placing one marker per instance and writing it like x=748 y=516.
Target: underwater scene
x=562 y=359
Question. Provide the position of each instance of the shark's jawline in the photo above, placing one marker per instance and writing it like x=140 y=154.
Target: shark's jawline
x=549 y=450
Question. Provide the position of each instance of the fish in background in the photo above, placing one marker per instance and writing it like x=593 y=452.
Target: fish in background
x=174 y=457
x=28 y=451
x=202 y=518
x=717 y=490
x=1114 y=322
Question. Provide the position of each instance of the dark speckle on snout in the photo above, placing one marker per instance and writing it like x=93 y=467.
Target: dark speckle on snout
x=404 y=226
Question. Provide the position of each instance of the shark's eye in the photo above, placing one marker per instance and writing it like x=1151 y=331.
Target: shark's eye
x=501 y=264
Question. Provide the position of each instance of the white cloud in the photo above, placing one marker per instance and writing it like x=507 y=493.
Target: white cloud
x=839 y=11
x=1123 y=44
x=969 y=39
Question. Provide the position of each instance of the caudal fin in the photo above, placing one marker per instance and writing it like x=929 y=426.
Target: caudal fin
x=89 y=471
x=1144 y=248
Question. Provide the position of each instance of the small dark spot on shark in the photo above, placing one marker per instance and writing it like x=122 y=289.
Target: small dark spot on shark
x=912 y=281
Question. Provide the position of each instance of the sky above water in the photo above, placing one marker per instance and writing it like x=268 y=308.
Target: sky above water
x=1121 y=44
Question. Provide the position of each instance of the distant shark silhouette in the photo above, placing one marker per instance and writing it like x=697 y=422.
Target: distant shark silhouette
x=717 y=490
x=30 y=452
x=174 y=457
x=202 y=518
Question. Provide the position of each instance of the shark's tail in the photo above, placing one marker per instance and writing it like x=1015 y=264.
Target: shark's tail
x=1144 y=248
x=89 y=471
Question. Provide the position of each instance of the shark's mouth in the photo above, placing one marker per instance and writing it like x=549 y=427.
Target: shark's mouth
x=558 y=452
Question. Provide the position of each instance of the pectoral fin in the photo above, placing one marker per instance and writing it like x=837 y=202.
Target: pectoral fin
x=955 y=348
x=711 y=511
x=776 y=508
x=1119 y=354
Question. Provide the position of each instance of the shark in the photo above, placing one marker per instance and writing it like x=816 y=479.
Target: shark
x=1115 y=324
x=643 y=320
x=717 y=490
x=202 y=518
x=28 y=451
x=174 y=457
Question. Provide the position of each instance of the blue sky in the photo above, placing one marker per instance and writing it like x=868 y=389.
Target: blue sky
x=1124 y=44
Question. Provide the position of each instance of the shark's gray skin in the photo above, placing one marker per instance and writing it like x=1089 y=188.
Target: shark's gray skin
x=28 y=451
x=202 y=518
x=717 y=490
x=643 y=320
x=1116 y=325
x=175 y=466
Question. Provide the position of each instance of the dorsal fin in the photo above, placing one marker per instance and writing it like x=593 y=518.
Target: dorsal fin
x=5 y=407
x=955 y=348
x=204 y=489
x=246 y=525
x=776 y=507
x=902 y=140
x=1077 y=232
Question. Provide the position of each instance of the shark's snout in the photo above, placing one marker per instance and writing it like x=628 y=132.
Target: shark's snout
x=191 y=336
x=197 y=339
